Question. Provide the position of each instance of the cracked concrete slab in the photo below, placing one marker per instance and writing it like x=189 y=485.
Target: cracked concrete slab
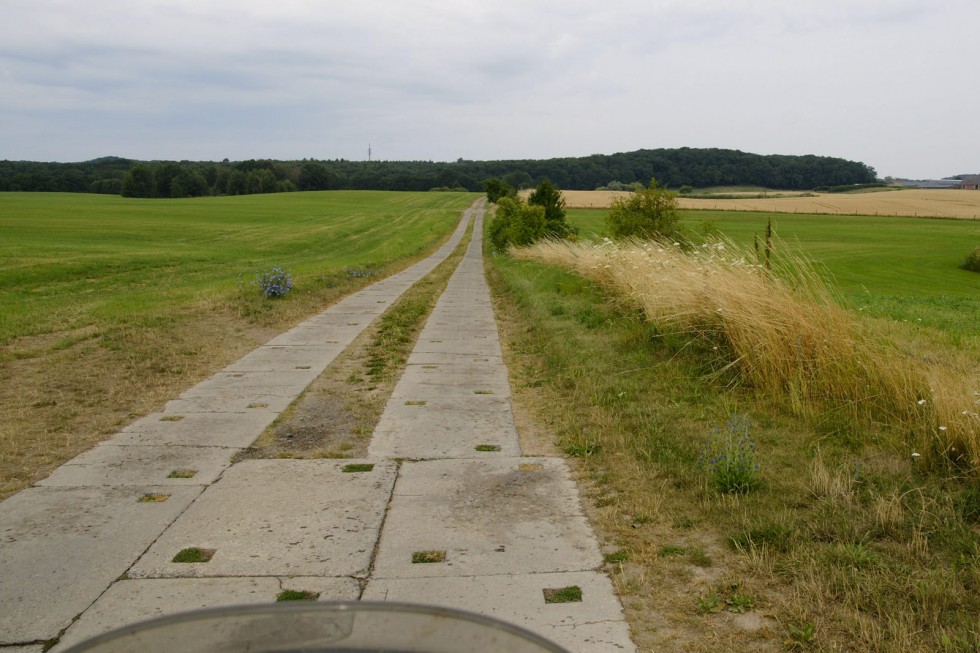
x=130 y=601
x=110 y=464
x=594 y=624
x=279 y=518
x=62 y=547
x=490 y=516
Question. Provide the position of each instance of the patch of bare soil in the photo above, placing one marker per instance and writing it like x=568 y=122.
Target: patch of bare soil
x=335 y=416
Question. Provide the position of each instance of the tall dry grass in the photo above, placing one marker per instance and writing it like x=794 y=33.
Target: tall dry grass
x=782 y=332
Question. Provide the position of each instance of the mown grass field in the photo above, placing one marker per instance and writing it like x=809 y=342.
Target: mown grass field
x=110 y=305
x=844 y=540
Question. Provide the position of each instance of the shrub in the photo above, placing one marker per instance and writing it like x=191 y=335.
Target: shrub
x=647 y=213
x=516 y=223
x=972 y=262
x=274 y=283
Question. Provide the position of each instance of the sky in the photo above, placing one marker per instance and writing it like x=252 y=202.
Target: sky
x=892 y=83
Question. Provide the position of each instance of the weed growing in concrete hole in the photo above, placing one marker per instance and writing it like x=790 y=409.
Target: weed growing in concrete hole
x=297 y=595
x=171 y=418
x=488 y=447
x=355 y=468
x=427 y=557
x=182 y=473
x=153 y=498
x=414 y=403
x=194 y=554
x=570 y=594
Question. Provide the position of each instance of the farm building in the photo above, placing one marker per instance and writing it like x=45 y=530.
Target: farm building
x=970 y=182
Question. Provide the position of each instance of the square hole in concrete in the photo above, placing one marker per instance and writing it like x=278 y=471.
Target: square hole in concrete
x=194 y=554
x=153 y=498
x=182 y=473
x=303 y=367
x=355 y=468
x=297 y=595
x=171 y=418
x=427 y=557
x=530 y=467
x=414 y=403
x=258 y=405
x=483 y=392
x=487 y=447
x=570 y=594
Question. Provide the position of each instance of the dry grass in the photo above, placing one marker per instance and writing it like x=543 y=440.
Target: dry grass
x=961 y=204
x=782 y=333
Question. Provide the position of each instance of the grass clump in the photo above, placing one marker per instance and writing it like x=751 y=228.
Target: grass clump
x=297 y=595
x=570 y=594
x=194 y=554
x=972 y=262
x=357 y=468
x=428 y=557
x=728 y=456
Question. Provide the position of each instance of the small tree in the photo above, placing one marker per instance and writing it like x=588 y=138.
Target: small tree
x=547 y=196
x=497 y=189
x=647 y=213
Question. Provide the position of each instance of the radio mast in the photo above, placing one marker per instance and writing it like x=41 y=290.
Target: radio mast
x=369 y=151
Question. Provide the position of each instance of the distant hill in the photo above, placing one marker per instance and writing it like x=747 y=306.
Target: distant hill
x=674 y=167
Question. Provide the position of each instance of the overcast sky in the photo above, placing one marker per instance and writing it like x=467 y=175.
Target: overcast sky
x=892 y=83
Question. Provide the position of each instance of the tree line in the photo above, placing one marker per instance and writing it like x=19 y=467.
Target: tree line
x=674 y=168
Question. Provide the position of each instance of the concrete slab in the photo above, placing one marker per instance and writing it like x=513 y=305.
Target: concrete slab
x=60 y=548
x=233 y=430
x=227 y=401
x=131 y=601
x=281 y=358
x=23 y=649
x=274 y=383
x=460 y=347
x=596 y=624
x=279 y=517
x=445 y=427
x=110 y=464
x=492 y=516
x=454 y=380
x=430 y=358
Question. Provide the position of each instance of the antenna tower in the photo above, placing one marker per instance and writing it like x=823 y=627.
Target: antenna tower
x=369 y=151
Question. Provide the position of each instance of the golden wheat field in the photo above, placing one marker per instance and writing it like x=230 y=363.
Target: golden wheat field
x=964 y=204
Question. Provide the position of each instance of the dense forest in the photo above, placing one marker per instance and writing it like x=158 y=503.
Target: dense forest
x=699 y=168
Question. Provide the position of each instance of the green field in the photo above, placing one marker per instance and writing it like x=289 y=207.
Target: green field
x=67 y=261
x=899 y=268
x=112 y=306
